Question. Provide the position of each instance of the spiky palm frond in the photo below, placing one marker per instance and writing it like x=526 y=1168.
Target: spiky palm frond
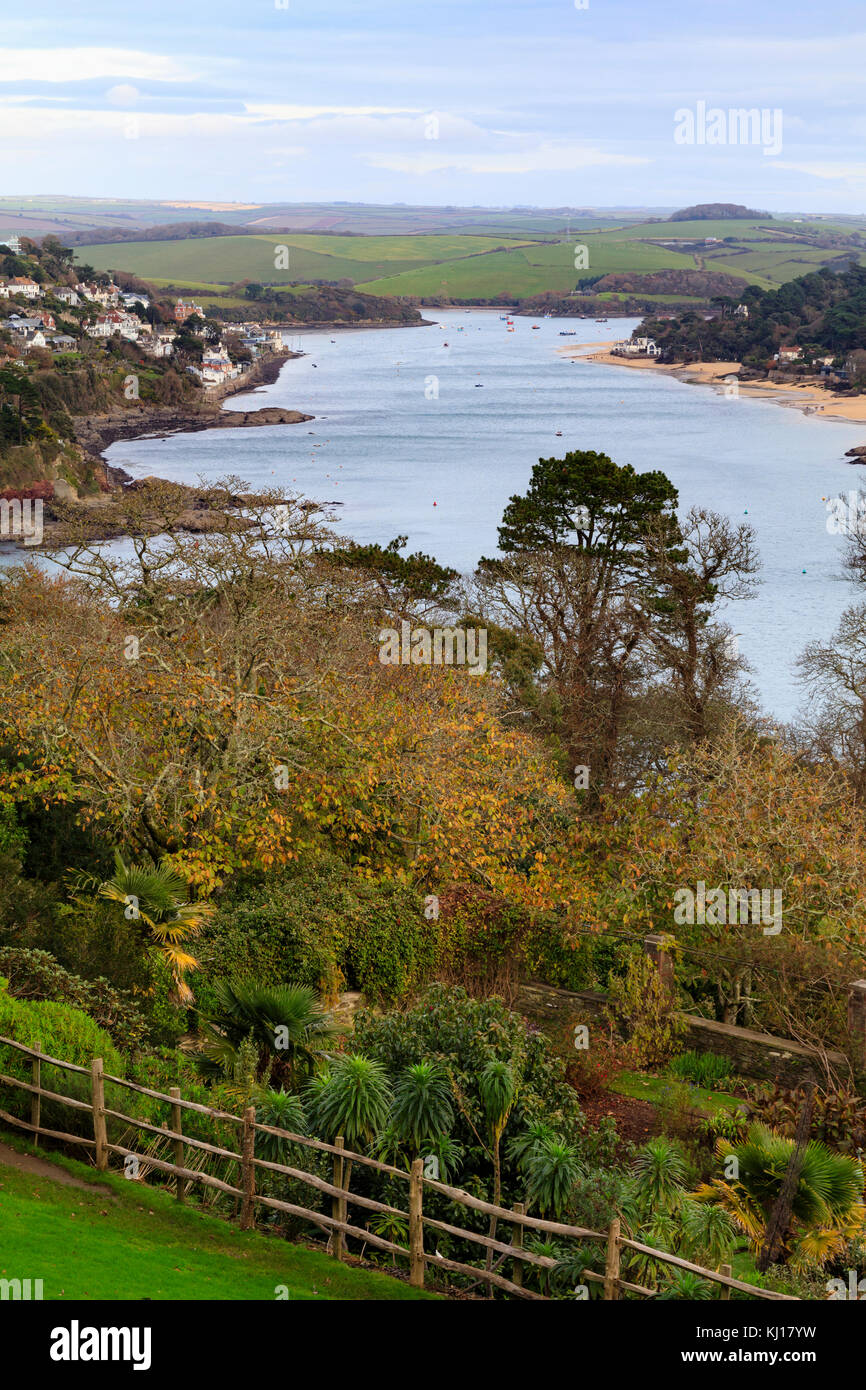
x=422 y=1107
x=354 y=1100
x=658 y=1175
x=552 y=1171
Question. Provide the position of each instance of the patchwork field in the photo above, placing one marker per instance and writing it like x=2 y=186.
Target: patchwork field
x=484 y=264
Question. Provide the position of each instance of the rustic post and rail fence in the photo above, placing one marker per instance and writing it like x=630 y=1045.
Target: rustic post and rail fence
x=337 y=1225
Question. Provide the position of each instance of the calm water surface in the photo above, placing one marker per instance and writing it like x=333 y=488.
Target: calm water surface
x=413 y=437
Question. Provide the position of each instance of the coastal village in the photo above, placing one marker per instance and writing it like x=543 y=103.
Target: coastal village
x=59 y=318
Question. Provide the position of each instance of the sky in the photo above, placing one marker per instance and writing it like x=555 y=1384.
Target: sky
x=553 y=103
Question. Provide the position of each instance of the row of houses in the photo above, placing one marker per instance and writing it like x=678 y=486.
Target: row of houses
x=110 y=296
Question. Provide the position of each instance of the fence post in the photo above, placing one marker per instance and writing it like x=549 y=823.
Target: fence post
x=726 y=1292
x=517 y=1242
x=416 y=1224
x=248 y=1172
x=611 y=1263
x=97 y=1100
x=176 y=1122
x=338 y=1204
x=35 y=1097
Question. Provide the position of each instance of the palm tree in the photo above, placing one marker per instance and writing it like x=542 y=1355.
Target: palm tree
x=421 y=1110
x=683 y=1286
x=286 y=1024
x=659 y=1176
x=552 y=1170
x=353 y=1100
x=827 y=1210
x=156 y=897
x=498 y=1090
x=280 y=1110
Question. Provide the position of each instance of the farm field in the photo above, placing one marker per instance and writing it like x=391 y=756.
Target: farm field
x=477 y=265
x=230 y=259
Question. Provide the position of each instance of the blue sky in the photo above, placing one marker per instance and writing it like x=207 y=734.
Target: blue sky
x=430 y=101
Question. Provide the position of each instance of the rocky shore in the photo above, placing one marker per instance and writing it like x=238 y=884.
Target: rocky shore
x=70 y=518
x=139 y=420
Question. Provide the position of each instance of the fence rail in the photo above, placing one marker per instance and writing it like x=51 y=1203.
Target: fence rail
x=337 y=1226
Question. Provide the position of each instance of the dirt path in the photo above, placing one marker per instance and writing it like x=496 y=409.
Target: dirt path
x=40 y=1168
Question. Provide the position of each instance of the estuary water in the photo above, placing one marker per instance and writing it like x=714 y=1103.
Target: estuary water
x=427 y=432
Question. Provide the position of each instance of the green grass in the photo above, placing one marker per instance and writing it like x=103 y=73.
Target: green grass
x=638 y=1085
x=226 y=260
x=480 y=264
x=138 y=1243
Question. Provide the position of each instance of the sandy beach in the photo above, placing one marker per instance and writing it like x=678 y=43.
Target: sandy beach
x=812 y=400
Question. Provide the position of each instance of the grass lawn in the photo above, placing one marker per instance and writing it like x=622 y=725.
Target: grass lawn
x=138 y=1243
x=657 y=1089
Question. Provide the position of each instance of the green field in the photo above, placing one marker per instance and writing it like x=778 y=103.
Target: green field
x=481 y=264
x=136 y=1242
x=227 y=260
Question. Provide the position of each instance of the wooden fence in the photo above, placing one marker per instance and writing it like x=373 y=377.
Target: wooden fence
x=337 y=1226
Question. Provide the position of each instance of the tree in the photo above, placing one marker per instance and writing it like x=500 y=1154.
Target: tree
x=353 y=1099
x=497 y=1087
x=827 y=1209
x=695 y=658
x=218 y=700
x=574 y=580
x=421 y=1110
x=286 y=1024
x=833 y=674
x=155 y=897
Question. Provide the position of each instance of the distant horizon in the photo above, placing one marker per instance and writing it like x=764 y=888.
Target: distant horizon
x=216 y=204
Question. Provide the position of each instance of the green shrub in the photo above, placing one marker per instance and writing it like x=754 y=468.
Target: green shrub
x=60 y=1031
x=322 y=927
x=37 y=975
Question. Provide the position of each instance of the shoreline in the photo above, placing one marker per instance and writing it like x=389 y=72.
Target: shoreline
x=96 y=433
x=810 y=399
x=101 y=517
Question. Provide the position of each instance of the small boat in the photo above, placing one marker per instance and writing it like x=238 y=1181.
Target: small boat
x=444 y=344
x=559 y=434
x=535 y=327
x=568 y=332
x=479 y=386
x=503 y=318
x=601 y=320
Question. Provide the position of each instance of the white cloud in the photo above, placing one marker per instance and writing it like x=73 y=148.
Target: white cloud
x=276 y=111
x=544 y=158
x=124 y=94
x=825 y=169
x=84 y=64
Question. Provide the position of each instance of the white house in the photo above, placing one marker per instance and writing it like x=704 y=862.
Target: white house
x=12 y=242
x=23 y=285
x=65 y=294
x=636 y=347
x=28 y=338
